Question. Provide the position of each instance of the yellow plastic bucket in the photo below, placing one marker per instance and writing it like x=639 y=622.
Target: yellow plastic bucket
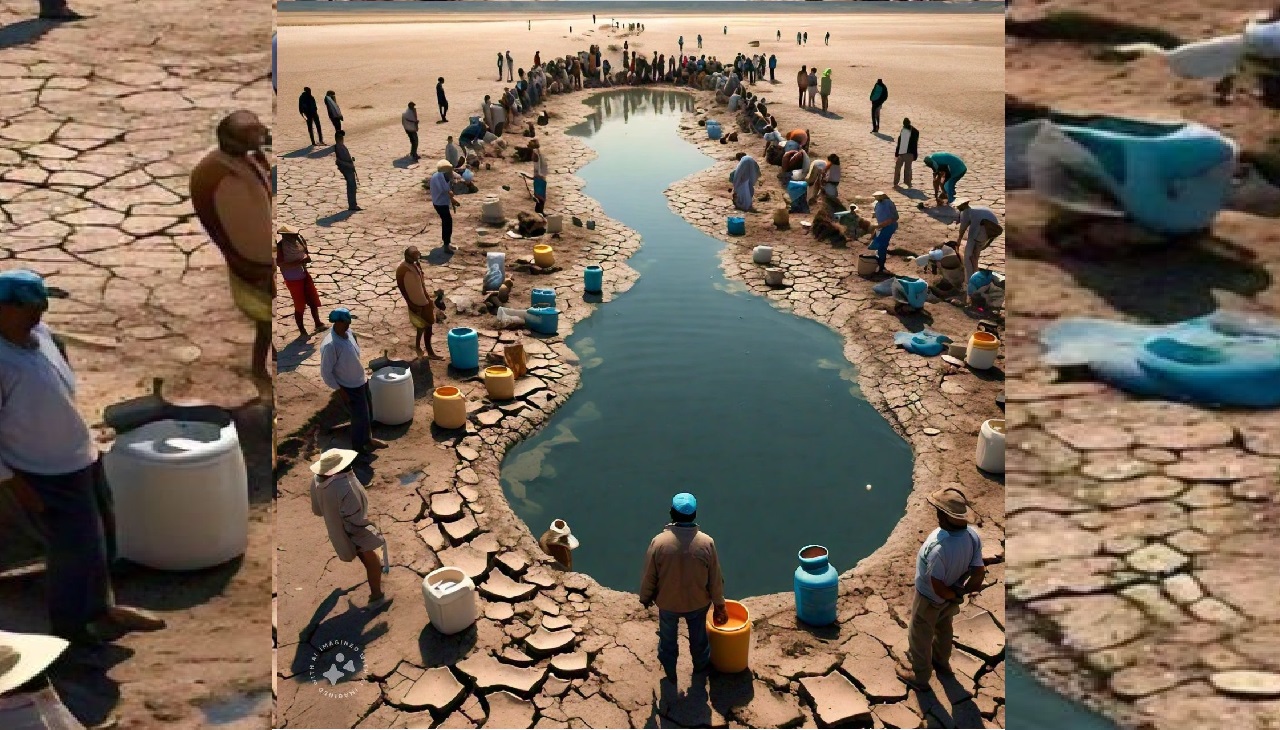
x=982 y=350
x=543 y=256
x=449 y=407
x=730 y=641
x=500 y=382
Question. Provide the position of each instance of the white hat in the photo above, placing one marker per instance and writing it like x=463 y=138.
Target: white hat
x=879 y=194
x=961 y=203
x=564 y=534
x=23 y=656
x=333 y=461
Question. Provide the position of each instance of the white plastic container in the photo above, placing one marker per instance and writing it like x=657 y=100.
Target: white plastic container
x=491 y=210
x=392 y=391
x=555 y=223
x=762 y=254
x=990 y=453
x=181 y=494
x=451 y=600
x=982 y=351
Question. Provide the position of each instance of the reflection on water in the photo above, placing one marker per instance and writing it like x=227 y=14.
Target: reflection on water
x=691 y=383
x=1036 y=707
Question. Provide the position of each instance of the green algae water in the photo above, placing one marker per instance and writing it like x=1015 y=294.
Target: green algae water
x=1036 y=707
x=691 y=383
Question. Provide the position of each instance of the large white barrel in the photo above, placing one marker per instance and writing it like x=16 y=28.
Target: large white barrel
x=762 y=254
x=990 y=453
x=181 y=494
x=491 y=210
x=392 y=391
x=451 y=600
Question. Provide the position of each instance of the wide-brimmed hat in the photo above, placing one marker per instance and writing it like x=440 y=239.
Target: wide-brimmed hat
x=287 y=230
x=879 y=195
x=962 y=202
x=953 y=503
x=24 y=656
x=333 y=461
x=563 y=534
x=444 y=166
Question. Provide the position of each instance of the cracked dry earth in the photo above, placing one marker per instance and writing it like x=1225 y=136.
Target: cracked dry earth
x=1142 y=532
x=555 y=649
x=100 y=124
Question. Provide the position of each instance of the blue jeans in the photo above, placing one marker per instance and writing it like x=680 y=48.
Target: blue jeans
x=361 y=406
x=949 y=187
x=79 y=527
x=880 y=244
x=669 y=636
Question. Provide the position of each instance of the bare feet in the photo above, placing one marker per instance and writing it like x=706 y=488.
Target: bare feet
x=129 y=618
x=376 y=444
x=431 y=355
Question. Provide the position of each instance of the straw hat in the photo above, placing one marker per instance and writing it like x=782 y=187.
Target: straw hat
x=444 y=166
x=879 y=195
x=287 y=230
x=953 y=504
x=333 y=461
x=962 y=202
x=563 y=534
x=23 y=656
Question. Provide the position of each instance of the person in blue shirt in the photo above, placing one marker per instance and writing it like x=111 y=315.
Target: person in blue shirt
x=773 y=65
x=886 y=224
x=947 y=170
x=444 y=201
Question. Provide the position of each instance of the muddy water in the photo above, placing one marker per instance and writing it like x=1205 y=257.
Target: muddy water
x=691 y=383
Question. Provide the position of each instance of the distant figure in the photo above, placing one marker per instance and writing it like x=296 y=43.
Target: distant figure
x=347 y=166
x=292 y=258
x=335 y=112
x=905 y=152
x=57 y=11
x=681 y=42
x=826 y=41
x=948 y=566
x=825 y=88
x=499 y=65
x=726 y=30
x=682 y=575
x=412 y=283
x=813 y=86
x=410 y=122
x=806 y=37
x=231 y=193
x=779 y=34
x=443 y=200
x=797 y=38
x=558 y=542
x=886 y=224
x=342 y=368
x=339 y=497
x=773 y=65
x=511 y=67
x=441 y=100
x=310 y=111
x=699 y=40
x=593 y=18
x=879 y=95
x=802 y=82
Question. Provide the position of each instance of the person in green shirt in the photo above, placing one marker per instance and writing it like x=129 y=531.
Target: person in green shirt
x=825 y=87
x=947 y=170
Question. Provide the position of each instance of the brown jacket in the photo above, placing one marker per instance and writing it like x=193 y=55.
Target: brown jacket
x=232 y=198
x=682 y=571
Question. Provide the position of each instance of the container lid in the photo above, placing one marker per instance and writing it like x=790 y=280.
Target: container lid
x=177 y=442
x=461 y=331
x=391 y=374
x=995 y=424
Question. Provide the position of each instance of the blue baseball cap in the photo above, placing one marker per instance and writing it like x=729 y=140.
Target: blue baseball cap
x=684 y=503
x=21 y=286
x=341 y=314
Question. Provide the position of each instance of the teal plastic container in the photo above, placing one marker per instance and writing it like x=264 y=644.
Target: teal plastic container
x=543 y=297
x=737 y=226
x=593 y=280
x=797 y=189
x=713 y=129
x=464 y=348
x=543 y=320
x=817 y=587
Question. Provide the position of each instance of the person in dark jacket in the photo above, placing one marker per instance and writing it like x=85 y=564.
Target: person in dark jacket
x=335 y=112
x=905 y=152
x=441 y=100
x=311 y=112
x=879 y=95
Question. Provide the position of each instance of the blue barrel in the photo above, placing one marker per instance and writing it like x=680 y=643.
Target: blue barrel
x=543 y=320
x=593 y=279
x=797 y=189
x=817 y=586
x=464 y=348
x=713 y=129
x=737 y=226
x=541 y=297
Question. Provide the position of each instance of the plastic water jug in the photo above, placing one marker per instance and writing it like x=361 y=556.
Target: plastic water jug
x=737 y=226
x=797 y=189
x=982 y=350
x=990 y=451
x=495 y=263
x=730 y=641
x=541 y=297
x=593 y=280
x=392 y=391
x=464 y=348
x=713 y=129
x=543 y=320
x=449 y=407
x=762 y=254
x=451 y=601
x=817 y=587
x=544 y=256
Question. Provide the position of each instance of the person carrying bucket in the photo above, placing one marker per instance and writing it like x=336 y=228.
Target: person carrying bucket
x=948 y=567
x=682 y=575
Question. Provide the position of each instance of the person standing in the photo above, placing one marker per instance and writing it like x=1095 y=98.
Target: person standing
x=338 y=496
x=539 y=176
x=797 y=38
x=699 y=40
x=886 y=215
x=682 y=576
x=826 y=88
x=802 y=82
x=681 y=43
x=412 y=283
x=879 y=95
x=982 y=226
x=947 y=171
x=308 y=109
x=806 y=37
x=292 y=257
x=441 y=100
x=409 y=120
x=347 y=166
x=905 y=152
x=232 y=196
x=49 y=462
x=499 y=65
x=826 y=41
x=443 y=200
x=726 y=30
x=773 y=65
x=948 y=566
x=342 y=369
x=511 y=68
x=335 y=112
x=812 y=86
x=57 y=11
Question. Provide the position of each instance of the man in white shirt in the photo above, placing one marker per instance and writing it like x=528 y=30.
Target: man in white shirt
x=948 y=566
x=410 y=121
x=48 y=458
x=342 y=369
x=982 y=227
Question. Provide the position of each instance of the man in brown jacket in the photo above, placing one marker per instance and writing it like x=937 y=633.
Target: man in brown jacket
x=412 y=283
x=682 y=575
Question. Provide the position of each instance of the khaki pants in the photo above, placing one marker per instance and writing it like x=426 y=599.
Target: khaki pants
x=902 y=161
x=929 y=635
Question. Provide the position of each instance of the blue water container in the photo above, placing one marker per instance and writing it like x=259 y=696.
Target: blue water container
x=713 y=129
x=464 y=348
x=541 y=297
x=817 y=586
x=737 y=226
x=797 y=189
x=593 y=280
x=543 y=320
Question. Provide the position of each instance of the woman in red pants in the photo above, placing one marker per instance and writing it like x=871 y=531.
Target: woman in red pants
x=292 y=257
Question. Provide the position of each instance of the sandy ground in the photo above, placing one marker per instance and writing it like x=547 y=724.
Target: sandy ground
x=1100 y=481
x=436 y=493
x=100 y=123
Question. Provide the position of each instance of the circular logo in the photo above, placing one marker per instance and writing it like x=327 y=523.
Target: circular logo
x=335 y=663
